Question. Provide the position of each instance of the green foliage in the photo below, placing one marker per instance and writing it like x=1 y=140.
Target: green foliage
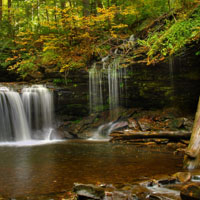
x=58 y=36
x=59 y=81
x=175 y=36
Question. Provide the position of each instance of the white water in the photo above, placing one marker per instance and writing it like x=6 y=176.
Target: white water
x=95 y=89
x=106 y=86
x=13 y=121
x=38 y=104
x=27 y=118
x=29 y=143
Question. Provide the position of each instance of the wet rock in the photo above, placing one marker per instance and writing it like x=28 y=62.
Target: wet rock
x=88 y=191
x=151 y=183
x=145 y=124
x=191 y=192
x=140 y=191
x=181 y=145
x=119 y=125
x=168 y=181
x=153 y=197
x=183 y=177
x=68 y=135
x=133 y=124
x=172 y=145
x=188 y=124
x=196 y=178
x=120 y=195
x=175 y=124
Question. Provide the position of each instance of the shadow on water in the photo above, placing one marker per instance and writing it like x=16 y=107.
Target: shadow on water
x=45 y=169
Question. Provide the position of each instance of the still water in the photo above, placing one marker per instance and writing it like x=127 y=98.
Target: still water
x=53 y=168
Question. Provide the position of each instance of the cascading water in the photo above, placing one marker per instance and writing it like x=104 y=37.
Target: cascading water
x=26 y=117
x=103 y=81
x=13 y=123
x=38 y=105
x=106 y=85
x=95 y=89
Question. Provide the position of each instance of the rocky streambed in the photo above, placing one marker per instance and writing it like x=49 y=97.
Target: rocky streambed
x=135 y=126
x=179 y=186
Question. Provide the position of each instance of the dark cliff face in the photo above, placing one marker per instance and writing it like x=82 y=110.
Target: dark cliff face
x=175 y=83
x=7 y=76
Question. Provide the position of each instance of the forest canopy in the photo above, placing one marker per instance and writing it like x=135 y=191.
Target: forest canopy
x=41 y=36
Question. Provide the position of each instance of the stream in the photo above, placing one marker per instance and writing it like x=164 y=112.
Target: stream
x=27 y=171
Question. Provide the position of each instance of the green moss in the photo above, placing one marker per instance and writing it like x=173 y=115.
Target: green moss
x=173 y=36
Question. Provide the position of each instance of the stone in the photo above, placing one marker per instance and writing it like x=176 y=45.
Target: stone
x=153 y=197
x=167 y=181
x=188 y=124
x=175 y=124
x=145 y=124
x=196 y=178
x=140 y=191
x=183 y=177
x=88 y=191
x=181 y=145
x=133 y=124
x=191 y=192
x=119 y=195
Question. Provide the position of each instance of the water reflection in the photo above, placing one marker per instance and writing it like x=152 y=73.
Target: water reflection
x=54 y=168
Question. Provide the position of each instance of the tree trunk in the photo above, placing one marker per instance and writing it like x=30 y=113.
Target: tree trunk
x=86 y=6
x=55 y=15
x=9 y=9
x=99 y=4
x=192 y=157
x=62 y=4
x=47 y=12
x=1 y=12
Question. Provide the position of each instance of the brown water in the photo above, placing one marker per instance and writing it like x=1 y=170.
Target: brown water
x=53 y=168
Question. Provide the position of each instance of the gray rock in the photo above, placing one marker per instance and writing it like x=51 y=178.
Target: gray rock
x=88 y=191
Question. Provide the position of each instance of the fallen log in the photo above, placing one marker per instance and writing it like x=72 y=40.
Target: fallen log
x=142 y=140
x=130 y=134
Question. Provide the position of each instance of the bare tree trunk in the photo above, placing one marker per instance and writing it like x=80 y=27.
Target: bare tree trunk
x=1 y=12
x=9 y=9
x=38 y=15
x=192 y=157
x=108 y=2
x=55 y=15
x=47 y=12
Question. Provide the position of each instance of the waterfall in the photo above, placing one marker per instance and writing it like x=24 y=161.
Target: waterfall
x=38 y=105
x=95 y=89
x=106 y=85
x=26 y=117
x=13 y=123
x=113 y=80
x=106 y=89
